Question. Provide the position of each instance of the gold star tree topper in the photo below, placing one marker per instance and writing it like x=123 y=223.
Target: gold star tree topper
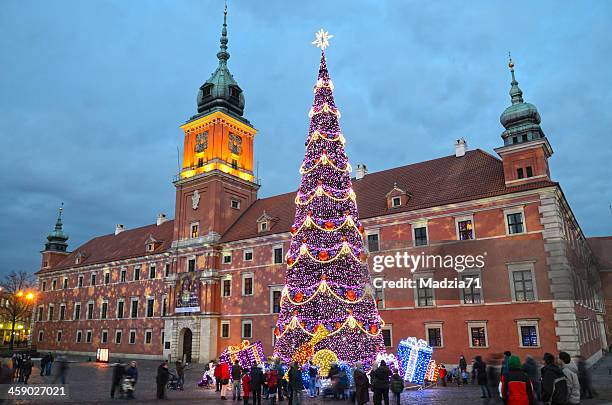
x=322 y=39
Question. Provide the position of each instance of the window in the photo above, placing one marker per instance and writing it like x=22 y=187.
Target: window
x=88 y=336
x=386 y=333
x=123 y=275
x=247 y=284
x=80 y=282
x=425 y=296
x=120 y=305
x=235 y=204
x=471 y=294
x=200 y=162
x=194 y=231
x=62 y=313
x=420 y=233
x=434 y=335
x=148 y=336
x=77 y=311
x=93 y=279
x=132 y=337
x=396 y=201
x=522 y=283
x=528 y=333
x=136 y=273
x=234 y=92
x=59 y=335
x=227 y=258
x=225 y=329
x=164 y=306
x=134 y=308
x=529 y=171
x=234 y=164
x=50 y=314
x=65 y=283
x=104 y=336
x=90 y=310
x=40 y=313
x=515 y=222
x=191 y=265
x=519 y=173
x=44 y=286
x=379 y=297
x=163 y=335
x=79 y=336
x=276 y=300
x=207 y=90
x=263 y=226
x=41 y=335
x=167 y=270
x=104 y=310
x=278 y=255
x=248 y=255
x=373 y=245
x=107 y=277
x=478 y=334
x=226 y=290
x=465 y=229
x=152 y=271
x=53 y=285
x=247 y=329
x=524 y=138
x=150 y=247
x=118 y=336
x=150 y=303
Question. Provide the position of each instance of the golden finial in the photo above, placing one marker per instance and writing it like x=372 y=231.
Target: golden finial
x=510 y=61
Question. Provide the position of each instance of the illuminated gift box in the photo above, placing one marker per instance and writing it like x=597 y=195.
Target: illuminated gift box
x=414 y=357
x=433 y=370
x=102 y=355
x=248 y=354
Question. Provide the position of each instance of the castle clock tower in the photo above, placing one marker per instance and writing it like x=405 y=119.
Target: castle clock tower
x=216 y=183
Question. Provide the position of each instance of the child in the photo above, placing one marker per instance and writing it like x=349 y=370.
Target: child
x=246 y=386
x=397 y=386
x=272 y=382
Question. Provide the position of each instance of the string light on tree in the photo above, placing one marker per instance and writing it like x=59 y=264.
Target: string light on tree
x=328 y=309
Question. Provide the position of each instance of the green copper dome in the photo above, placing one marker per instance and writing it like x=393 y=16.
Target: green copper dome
x=221 y=92
x=57 y=238
x=521 y=120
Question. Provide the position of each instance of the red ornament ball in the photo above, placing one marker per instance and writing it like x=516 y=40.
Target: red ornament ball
x=323 y=255
x=373 y=329
x=350 y=294
x=338 y=325
x=329 y=225
x=298 y=297
x=289 y=261
x=293 y=230
x=361 y=229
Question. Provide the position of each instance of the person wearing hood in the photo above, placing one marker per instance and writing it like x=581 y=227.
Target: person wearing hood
x=380 y=381
x=397 y=386
x=531 y=369
x=571 y=374
x=515 y=387
x=554 y=384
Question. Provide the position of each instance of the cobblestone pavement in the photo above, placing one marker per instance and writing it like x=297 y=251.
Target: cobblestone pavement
x=89 y=382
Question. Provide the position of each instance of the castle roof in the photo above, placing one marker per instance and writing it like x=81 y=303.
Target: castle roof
x=432 y=183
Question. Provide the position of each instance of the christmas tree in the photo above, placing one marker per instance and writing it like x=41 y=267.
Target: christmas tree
x=328 y=308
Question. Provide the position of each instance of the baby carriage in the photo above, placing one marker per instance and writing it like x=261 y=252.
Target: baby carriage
x=173 y=382
x=206 y=381
x=127 y=387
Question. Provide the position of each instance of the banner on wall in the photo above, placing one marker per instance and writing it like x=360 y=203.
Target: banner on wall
x=188 y=293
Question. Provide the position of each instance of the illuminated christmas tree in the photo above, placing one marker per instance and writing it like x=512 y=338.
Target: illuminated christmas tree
x=328 y=307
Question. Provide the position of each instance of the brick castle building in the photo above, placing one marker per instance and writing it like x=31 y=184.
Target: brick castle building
x=214 y=275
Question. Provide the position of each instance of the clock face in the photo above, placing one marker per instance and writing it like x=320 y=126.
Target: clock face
x=201 y=142
x=235 y=144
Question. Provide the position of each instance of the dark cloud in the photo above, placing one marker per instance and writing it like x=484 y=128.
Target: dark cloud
x=92 y=94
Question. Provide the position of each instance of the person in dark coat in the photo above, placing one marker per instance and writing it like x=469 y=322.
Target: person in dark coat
x=296 y=383
x=43 y=364
x=554 y=384
x=132 y=372
x=236 y=380
x=531 y=369
x=26 y=369
x=118 y=373
x=480 y=368
x=362 y=393
x=462 y=364
x=397 y=386
x=380 y=381
x=162 y=379
x=584 y=377
x=6 y=374
x=180 y=373
x=257 y=381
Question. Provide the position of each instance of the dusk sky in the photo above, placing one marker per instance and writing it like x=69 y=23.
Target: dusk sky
x=92 y=94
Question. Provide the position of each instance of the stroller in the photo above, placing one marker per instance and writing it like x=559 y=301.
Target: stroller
x=173 y=382
x=127 y=387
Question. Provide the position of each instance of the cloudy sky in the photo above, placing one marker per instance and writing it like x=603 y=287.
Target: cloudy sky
x=92 y=94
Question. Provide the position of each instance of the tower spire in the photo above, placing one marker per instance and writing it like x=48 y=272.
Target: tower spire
x=516 y=94
x=56 y=240
x=223 y=55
